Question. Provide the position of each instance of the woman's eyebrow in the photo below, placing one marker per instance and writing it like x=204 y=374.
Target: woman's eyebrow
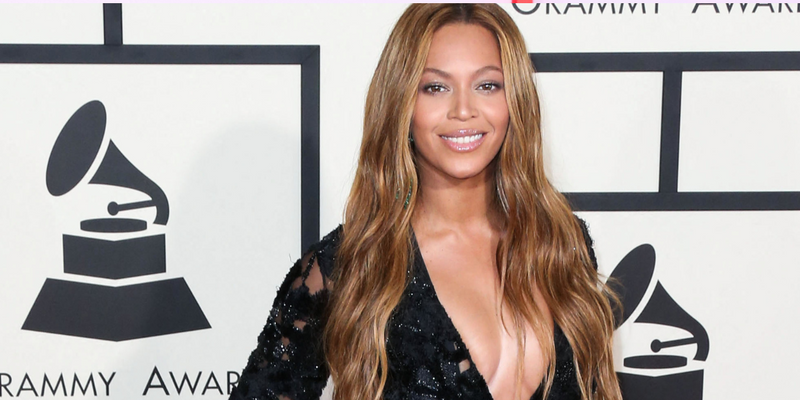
x=437 y=72
x=478 y=72
x=488 y=68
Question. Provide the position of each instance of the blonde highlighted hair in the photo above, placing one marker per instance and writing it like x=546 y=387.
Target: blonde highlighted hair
x=543 y=245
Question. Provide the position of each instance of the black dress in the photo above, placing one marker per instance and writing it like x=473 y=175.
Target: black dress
x=424 y=348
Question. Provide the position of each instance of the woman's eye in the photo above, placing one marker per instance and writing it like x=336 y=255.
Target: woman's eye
x=434 y=88
x=490 y=86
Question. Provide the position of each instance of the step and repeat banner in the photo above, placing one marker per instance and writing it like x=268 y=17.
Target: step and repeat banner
x=164 y=165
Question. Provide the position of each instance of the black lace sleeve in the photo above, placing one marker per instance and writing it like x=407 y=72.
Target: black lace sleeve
x=288 y=363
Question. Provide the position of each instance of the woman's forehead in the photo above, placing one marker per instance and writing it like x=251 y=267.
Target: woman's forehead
x=459 y=47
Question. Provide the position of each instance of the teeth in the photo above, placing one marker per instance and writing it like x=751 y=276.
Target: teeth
x=464 y=139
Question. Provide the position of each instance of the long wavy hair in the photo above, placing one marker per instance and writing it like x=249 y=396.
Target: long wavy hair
x=542 y=246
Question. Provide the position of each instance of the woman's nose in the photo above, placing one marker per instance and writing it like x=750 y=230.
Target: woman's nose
x=463 y=105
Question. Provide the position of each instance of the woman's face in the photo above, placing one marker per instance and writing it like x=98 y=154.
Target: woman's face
x=461 y=115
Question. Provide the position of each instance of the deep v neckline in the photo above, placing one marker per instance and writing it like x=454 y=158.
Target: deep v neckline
x=419 y=262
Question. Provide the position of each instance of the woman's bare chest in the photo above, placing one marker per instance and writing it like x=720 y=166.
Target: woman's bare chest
x=467 y=285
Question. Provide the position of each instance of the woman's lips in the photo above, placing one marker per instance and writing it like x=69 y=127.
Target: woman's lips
x=464 y=142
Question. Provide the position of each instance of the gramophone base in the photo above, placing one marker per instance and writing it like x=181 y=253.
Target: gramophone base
x=115 y=313
x=115 y=259
x=681 y=386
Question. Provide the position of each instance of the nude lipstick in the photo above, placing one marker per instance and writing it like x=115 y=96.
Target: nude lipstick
x=463 y=140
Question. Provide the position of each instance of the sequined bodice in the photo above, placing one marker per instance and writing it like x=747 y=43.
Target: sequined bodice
x=425 y=351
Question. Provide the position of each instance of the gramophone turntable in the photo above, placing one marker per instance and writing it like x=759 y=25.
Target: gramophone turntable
x=665 y=371
x=118 y=312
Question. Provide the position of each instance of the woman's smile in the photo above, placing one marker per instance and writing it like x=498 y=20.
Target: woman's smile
x=463 y=140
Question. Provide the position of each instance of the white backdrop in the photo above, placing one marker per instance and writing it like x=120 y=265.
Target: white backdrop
x=231 y=172
x=214 y=151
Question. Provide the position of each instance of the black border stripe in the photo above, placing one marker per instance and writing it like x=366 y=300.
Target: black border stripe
x=309 y=173
x=670 y=132
x=686 y=201
x=306 y=56
x=153 y=54
x=657 y=62
x=112 y=24
x=672 y=66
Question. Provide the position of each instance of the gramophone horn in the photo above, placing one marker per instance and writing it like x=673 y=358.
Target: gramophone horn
x=663 y=310
x=76 y=148
x=631 y=278
x=116 y=170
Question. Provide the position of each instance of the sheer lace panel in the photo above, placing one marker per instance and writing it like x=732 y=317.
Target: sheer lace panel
x=311 y=278
x=288 y=363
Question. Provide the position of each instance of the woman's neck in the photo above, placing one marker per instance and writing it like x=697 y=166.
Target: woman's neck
x=448 y=203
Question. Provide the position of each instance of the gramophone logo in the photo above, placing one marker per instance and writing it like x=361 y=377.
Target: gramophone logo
x=97 y=311
x=657 y=375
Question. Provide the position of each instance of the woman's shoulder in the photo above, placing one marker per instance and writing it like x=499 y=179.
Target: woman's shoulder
x=585 y=230
x=587 y=237
x=324 y=251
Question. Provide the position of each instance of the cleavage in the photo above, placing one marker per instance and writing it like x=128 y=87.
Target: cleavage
x=468 y=291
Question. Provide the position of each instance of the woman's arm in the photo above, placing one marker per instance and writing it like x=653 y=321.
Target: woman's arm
x=289 y=363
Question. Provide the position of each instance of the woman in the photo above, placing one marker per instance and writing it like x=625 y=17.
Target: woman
x=459 y=271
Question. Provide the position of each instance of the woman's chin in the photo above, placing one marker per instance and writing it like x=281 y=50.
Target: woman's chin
x=461 y=167
x=464 y=172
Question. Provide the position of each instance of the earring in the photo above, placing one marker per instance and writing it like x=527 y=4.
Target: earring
x=408 y=196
